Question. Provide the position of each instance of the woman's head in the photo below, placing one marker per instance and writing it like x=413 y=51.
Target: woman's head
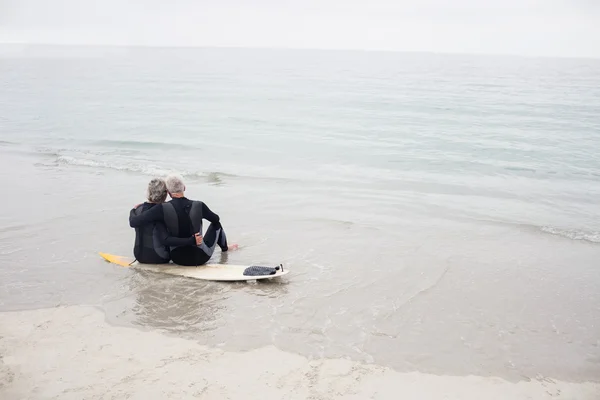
x=157 y=191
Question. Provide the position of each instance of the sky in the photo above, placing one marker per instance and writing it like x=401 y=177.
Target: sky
x=569 y=28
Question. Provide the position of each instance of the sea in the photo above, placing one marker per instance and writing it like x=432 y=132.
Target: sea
x=437 y=213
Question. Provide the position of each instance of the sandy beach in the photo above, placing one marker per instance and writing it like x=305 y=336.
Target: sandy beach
x=72 y=353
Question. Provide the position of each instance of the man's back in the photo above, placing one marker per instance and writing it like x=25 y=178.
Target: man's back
x=184 y=216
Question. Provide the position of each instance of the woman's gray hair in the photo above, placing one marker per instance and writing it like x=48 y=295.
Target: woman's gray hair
x=175 y=184
x=157 y=191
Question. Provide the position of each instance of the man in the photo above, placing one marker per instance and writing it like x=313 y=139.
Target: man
x=183 y=219
x=152 y=239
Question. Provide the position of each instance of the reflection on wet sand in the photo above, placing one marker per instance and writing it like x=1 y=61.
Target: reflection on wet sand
x=194 y=307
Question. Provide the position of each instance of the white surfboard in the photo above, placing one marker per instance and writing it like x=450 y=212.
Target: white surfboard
x=210 y=272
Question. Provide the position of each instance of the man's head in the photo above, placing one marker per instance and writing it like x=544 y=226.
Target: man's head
x=175 y=186
x=157 y=191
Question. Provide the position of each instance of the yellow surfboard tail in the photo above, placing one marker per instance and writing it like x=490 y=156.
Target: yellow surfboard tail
x=119 y=260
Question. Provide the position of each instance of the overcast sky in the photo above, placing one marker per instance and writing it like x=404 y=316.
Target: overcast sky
x=524 y=27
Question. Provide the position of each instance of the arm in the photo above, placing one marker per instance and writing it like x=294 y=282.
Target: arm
x=166 y=238
x=175 y=241
x=132 y=213
x=209 y=215
x=155 y=214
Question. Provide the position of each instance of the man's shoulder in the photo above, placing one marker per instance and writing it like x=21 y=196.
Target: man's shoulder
x=180 y=200
x=197 y=204
x=186 y=202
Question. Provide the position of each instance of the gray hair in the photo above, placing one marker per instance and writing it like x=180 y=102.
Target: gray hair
x=175 y=184
x=157 y=191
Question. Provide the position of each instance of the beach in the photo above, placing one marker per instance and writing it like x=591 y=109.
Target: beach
x=438 y=215
x=72 y=353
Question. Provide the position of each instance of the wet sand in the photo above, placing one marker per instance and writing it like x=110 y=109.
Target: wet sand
x=72 y=353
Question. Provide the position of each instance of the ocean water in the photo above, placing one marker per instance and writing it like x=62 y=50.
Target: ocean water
x=438 y=213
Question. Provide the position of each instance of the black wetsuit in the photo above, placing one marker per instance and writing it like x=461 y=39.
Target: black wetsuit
x=183 y=218
x=152 y=240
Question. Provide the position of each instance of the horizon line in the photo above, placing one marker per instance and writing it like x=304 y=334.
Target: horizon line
x=239 y=47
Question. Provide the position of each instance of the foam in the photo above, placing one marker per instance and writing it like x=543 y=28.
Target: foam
x=130 y=167
x=574 y=234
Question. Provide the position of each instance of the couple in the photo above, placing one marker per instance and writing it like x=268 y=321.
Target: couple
x=173 y=230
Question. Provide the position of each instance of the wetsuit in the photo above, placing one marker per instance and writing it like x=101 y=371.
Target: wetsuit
x=152 y=240
x=183 y=218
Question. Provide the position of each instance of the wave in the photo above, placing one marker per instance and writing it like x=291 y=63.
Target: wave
x=573 y=234
x=130 y=167
x=591 y=236
x=214 y=177
x=47 y=151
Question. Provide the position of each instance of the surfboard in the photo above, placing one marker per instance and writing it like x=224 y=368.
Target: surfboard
x=209 y=272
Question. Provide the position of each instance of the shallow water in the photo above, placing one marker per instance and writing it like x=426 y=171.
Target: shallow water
x=438 y=213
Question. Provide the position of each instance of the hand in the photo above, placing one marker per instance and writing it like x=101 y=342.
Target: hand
x=198 y=239
x=137 y=205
